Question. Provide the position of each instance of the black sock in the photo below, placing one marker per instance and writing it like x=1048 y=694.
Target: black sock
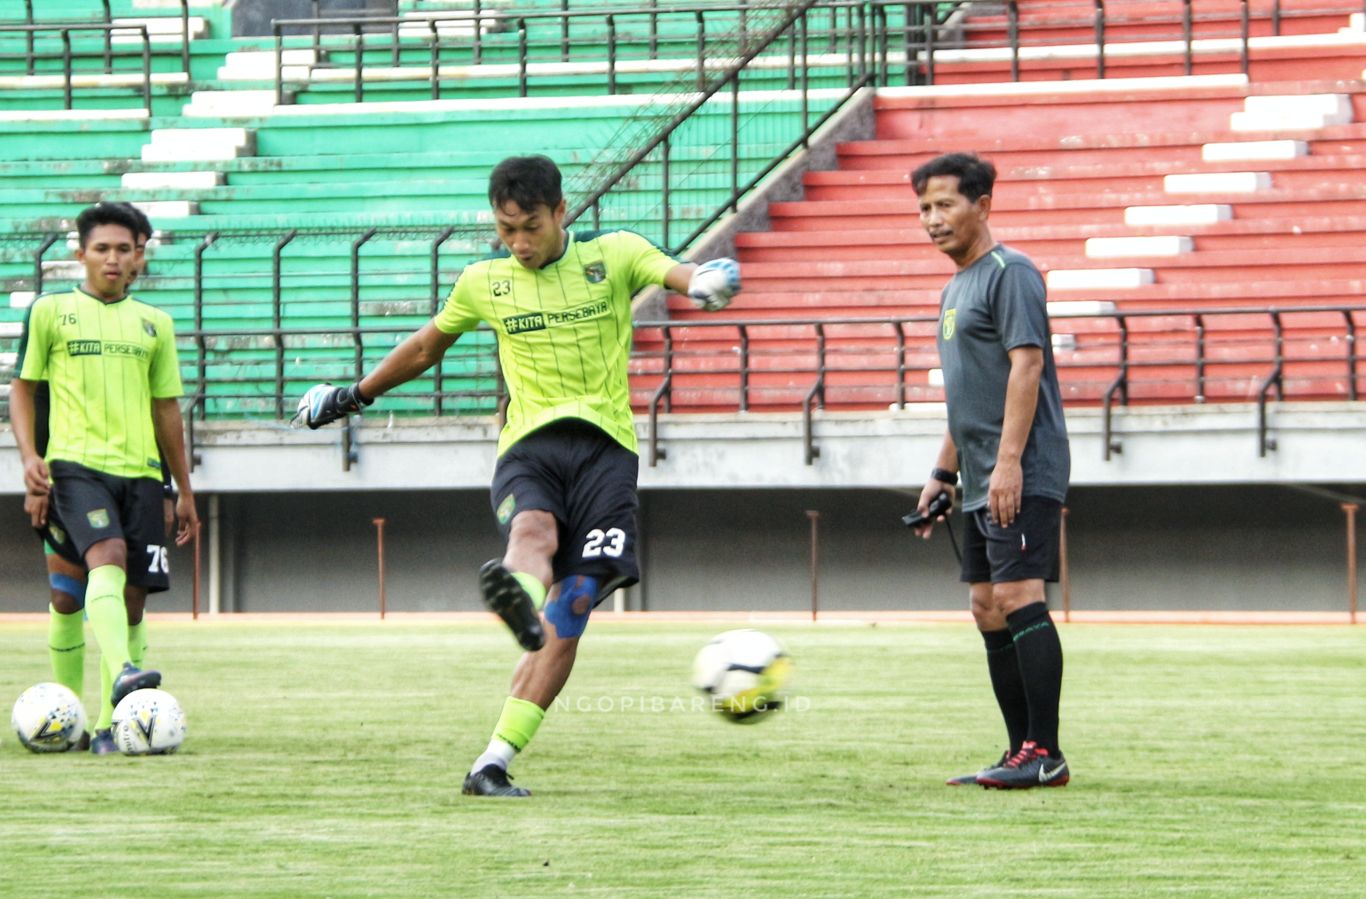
x=1040 y=655
x=1008 y=685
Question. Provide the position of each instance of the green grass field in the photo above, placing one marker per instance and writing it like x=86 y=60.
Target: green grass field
x=325 y=759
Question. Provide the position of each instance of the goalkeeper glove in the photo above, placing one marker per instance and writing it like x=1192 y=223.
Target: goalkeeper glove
x=325 y=404
x=714 y=283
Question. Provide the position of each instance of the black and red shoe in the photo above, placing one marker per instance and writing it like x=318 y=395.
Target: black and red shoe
x=963 y=780
x=1032 y=766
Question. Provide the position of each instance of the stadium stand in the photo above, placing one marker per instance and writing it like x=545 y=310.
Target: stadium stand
x=1201 y=235
x=269 y=219
x=1200 y=193
x=1175 y=192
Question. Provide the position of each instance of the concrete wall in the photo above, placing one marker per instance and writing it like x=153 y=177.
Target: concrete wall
x=1210 y=548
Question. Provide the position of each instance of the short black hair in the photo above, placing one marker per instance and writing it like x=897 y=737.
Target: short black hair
x=976 y=176
x=109 y=214
x=528 y=181
x=144 y=224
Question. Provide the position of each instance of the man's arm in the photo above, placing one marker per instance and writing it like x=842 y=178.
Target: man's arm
x=1022 y=399
x=170 y=435
x=421 y=350
x=946 y=462
x=678 y=277
x=22 y=422
x=418 y=352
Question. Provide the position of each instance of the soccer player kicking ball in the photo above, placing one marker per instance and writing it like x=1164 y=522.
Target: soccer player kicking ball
x=110 y=363
x=1008 y=441
x=564 y=488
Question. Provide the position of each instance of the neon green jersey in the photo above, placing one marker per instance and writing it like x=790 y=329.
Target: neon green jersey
x=564 y=331
x=104 y=364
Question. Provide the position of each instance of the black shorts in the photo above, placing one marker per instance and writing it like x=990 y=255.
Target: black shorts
x=1027 y=550
x=89 y=506
x=587 y=480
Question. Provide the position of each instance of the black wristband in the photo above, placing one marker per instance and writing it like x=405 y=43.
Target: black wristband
x=948 y=477
x=359 y=396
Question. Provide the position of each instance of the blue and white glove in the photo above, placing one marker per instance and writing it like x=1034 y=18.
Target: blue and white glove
x=324 y=404
x=714 y=283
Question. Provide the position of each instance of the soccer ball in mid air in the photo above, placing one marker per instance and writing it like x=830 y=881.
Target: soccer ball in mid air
x=48 y=718
x=148 y=722
x=745 y=673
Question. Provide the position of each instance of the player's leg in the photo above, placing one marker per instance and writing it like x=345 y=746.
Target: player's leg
x=66 y=627
x=108 y=614
x=599 y=509
x=135 y=599
x=1002 y=666
x=515 y=587
x=86 y=504
x=536 y=682
x=148 y=572
x=1024 y=556
x=533 y=537
x=66 y=621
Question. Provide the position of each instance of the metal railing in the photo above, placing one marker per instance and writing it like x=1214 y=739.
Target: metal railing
x=31 y=19
x=68 y=55
x=911 y=37
x=624 y=195
x=1170 y=356
x=805 y=366
x=598 y=36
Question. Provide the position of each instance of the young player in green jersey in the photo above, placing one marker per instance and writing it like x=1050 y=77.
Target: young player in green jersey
x=114 y=381
x=564 y=489
x=66 y=578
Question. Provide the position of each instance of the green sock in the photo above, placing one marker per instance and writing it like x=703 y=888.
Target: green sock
x=108 y=615
x=518 y=723
x=137 y=653
x=106 y=719
x=137 y=643
x=533 y=586
x=66 y=648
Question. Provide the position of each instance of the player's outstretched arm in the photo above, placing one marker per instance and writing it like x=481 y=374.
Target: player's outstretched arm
x=710 y=286
x=324 y=404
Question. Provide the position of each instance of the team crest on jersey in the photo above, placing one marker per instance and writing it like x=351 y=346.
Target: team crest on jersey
x=595 y=272
x=506 y=508
x=98 y=518
x=948 y=326
x=148 y=328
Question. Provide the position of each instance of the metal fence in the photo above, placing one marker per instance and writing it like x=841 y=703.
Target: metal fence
x=71 y=58
x=33 y=26
x=1184 y=356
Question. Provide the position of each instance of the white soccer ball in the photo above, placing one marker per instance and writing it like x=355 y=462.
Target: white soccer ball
x=745 y=672
x=149 y=722
x=48 y=718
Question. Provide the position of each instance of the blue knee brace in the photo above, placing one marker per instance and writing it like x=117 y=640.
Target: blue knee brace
x=68 y=585
x=570 y=608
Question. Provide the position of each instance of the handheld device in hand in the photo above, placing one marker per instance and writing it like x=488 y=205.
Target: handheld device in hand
x=940 y=505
